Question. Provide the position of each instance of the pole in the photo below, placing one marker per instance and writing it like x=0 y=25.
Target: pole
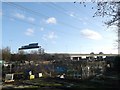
x=118 y=13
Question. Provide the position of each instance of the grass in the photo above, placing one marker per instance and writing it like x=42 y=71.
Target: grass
x=42 y=82
x=63 y=84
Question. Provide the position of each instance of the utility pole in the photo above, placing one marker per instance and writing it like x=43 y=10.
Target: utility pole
x=118 y=13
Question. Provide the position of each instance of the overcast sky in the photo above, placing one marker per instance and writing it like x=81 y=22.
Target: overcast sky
x=65 y=27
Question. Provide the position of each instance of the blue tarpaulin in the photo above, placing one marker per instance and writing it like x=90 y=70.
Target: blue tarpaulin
x=60 y=69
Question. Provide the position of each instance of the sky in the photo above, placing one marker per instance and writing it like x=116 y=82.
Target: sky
x=58 y=27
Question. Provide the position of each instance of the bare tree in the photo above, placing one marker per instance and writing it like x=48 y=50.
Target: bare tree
x=34 y=56
x=110 y=9
x=6 y=54
x=21 y=56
